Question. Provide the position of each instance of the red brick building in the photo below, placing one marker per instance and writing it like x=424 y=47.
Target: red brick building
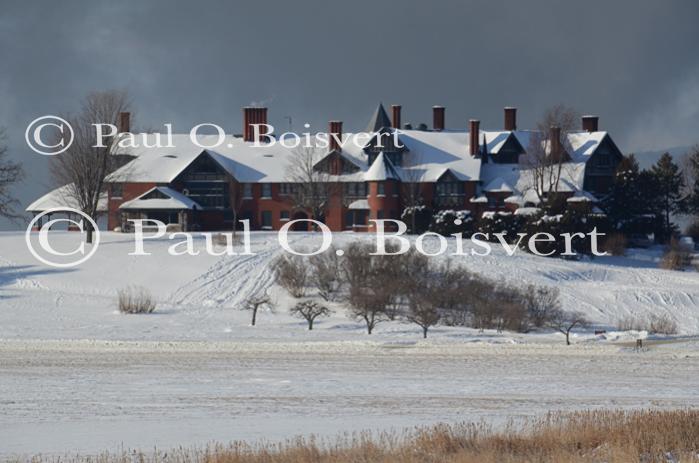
x=373 y=174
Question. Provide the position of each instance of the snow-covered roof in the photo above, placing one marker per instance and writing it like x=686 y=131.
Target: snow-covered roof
x=243 y=160
x=582 y=197
x=431 y=154
x=382 y=169
x=173 y=200
x=527 y=211
x=479 y=200
x=494 y=139
x=498 y=185
x=515 y=199
x=62 y=197
x=582 y=145
x=522 y=179
x=359 y=204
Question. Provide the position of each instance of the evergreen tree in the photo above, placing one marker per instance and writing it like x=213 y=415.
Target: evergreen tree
x=692 y=205
x=619 y=203
x=668 y=193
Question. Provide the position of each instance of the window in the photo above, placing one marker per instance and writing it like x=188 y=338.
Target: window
x=267 y=219
x=209 y=194
x=247 y=190
x=450 y=188
x=117 y=190
x=355 y=189
x=266 y=190
x=284 y=215
x=379 y=214
x=285 y=189
x=349 y=219
x=380 y=189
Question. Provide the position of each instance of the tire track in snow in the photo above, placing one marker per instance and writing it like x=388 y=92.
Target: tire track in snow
x=231 y=280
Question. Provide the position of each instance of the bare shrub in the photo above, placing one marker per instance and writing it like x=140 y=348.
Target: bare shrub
x=326 y=274
x=662 y=324
x=541 y=303
x=675 y=257
x=309 y=310
x=615 y=244
x=292 y=274
x=135 y=299
x=632 y=323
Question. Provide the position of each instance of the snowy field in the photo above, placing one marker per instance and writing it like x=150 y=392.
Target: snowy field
x=76 y=375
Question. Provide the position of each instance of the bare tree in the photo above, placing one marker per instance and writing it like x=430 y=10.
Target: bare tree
x=368 y=296
x=546 y=161
x=255 y=302
x=311 y=184
x=10 y=173
x=309 y=310
x=369 y=305
x=85 y=165
x=564 y=322
x=423 y=312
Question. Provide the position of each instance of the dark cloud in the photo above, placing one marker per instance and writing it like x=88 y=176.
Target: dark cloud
x=633 y=63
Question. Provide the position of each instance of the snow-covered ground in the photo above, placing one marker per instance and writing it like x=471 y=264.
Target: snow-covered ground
x=200 y=296
x=76 y=375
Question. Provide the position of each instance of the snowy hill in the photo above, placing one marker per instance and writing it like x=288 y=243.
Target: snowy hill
x=199 y=297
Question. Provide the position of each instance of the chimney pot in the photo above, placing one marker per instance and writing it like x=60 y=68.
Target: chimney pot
x=510 y=118
x=438 y=117
x=590 y=123
x=396 y=115
x=252 y=115
x=124 y=122
x=335 y=129
x=474 y=131
x=555 y=142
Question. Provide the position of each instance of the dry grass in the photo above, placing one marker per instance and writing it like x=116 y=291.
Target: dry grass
x=592 y=436
x=135 y=299
x=616 y=244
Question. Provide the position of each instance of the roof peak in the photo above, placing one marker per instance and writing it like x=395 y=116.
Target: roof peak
x=379 y=119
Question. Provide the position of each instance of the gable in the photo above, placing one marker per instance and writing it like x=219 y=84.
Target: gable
x=203 y=168
x=509 y=151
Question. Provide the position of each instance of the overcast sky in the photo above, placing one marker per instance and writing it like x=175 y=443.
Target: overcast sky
x=635 y=63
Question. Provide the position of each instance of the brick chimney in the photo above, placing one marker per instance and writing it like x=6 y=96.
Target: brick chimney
x=253 y=115
x=555 y=142
x=510 y=118
x=590 y=123
x=438 y=118
x=473 y=131
x=335 y=129
x=124 y=122
x=395 y=121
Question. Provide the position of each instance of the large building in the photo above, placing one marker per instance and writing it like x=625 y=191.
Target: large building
x=369 y=175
